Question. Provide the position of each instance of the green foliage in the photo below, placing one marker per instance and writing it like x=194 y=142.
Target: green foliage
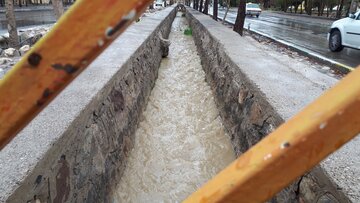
x=188 y=31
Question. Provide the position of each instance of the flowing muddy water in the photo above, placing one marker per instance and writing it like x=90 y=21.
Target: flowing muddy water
x=180 y=142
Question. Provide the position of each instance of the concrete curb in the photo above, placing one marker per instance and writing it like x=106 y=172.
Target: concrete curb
x=48 y=8
x=317 y=57
x=303 y=16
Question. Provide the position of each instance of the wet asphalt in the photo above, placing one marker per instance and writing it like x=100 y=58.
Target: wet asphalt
x=307 y=33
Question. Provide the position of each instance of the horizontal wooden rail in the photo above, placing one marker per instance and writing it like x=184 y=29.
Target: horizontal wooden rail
x=85 y=30
x=290 y=151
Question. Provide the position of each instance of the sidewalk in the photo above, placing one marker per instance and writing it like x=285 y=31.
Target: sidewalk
x=302 y=15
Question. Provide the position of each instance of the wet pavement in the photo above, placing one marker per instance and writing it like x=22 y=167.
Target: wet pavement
x=306 y=33
x=180 y=142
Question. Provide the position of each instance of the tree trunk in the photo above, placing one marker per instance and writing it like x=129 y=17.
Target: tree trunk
x=309 y=7
x=266 y=4
x=227 y=10
x=215 y=10
x=347 y=11
x=340 y=8
x=322 y=9
x=10 y=17
x=285 y=6
x=328 y=6
x=353 y=6
x=240 y=18
x=349 y=8
x=201 y=5
x=206 y=7
x=58 y=8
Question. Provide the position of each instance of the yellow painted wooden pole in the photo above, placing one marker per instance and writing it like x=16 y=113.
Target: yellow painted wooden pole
x=80 y=35
x=294 y=148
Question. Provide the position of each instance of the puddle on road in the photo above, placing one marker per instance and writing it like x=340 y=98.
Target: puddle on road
x=180 y=142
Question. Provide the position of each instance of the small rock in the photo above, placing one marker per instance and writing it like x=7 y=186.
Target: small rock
x=256 y=114
x=11 y=52
x=243 y=92
x=24 y=36
x=35 y=38
x=3 y=39
x=4 y=60
x=326 y=68
x=24 y=49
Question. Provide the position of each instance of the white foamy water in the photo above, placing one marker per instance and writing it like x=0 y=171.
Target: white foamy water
x=180 y=142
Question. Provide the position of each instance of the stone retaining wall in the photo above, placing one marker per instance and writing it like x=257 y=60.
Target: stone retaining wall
x=75 y=150
x=246 y=108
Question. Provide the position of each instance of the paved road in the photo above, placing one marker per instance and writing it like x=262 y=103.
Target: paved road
x=304 y=32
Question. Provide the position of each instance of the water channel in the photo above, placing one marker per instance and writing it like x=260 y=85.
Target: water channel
x=180 y=142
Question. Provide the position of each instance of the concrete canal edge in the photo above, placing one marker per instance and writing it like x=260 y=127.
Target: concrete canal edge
x=255 y=94
x=75 y=150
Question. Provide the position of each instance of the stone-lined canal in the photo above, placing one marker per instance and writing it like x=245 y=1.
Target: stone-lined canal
x=180 y=142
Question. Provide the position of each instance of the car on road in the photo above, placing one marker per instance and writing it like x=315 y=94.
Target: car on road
x=252 y=9
x=159 y=3
x=345 y=33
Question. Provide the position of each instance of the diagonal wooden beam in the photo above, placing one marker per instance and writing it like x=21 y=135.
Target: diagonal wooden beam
x=85 y=30
x=290 y=151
